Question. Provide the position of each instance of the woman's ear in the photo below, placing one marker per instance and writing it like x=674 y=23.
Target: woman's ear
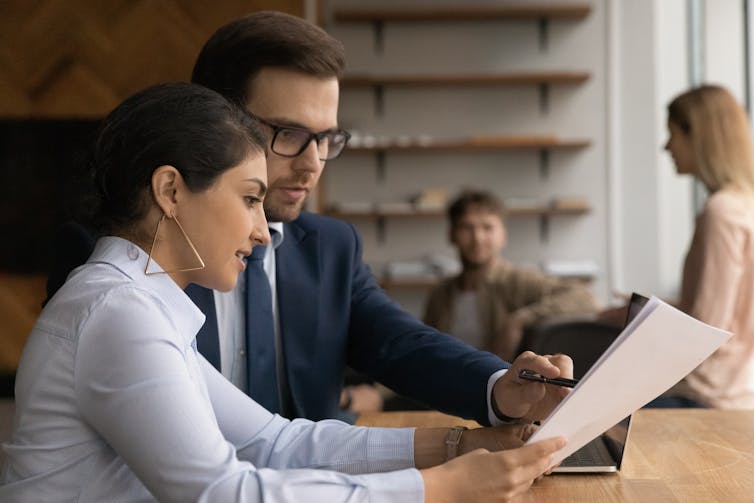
x=166 y=183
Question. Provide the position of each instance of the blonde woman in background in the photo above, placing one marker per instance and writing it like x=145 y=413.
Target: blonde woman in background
x=710 y=138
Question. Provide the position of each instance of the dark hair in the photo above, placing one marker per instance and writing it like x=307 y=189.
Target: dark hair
x=234 y=55
x=477 y=199
x=184 y=125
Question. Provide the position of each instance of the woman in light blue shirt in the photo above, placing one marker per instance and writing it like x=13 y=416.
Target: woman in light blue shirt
x=113 y=402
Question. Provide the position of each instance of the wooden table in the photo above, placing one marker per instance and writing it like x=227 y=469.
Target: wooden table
x=673 y=455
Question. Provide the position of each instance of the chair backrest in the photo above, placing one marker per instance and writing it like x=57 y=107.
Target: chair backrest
x=583 y=340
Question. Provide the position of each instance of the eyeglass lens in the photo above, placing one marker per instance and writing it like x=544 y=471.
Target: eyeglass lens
x=291 y=142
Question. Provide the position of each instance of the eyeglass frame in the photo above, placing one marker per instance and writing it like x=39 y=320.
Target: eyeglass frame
x=317 y=137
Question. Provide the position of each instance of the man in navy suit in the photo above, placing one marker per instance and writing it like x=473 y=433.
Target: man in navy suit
x=327 y=311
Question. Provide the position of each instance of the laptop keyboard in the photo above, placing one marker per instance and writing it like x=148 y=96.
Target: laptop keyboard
x=592 y=454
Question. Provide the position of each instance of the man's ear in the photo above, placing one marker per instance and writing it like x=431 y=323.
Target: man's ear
x=166 y=184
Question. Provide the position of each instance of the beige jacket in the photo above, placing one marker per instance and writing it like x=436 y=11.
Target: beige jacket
x=718 y=289
x=508 y=291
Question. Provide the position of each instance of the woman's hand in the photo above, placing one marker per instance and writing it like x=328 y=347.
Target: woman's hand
x=497 y=438
x=481 y=476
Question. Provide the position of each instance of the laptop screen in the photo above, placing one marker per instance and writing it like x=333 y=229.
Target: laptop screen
x=615 y=438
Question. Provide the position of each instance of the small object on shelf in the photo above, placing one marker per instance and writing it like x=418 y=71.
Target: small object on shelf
x=368 y=141
x=394 y=207
x=586 y=269
x=355 y=207
x=514 y=204
x=514 y=140
x=570 y=203
x=444 y=265
x=408 y=269
x=403 y=140
x=432 y=199
x=424 y=140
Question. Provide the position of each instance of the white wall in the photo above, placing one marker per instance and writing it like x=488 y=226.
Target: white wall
x=652 y=208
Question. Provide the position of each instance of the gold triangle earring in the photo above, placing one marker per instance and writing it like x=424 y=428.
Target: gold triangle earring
x=191 y=245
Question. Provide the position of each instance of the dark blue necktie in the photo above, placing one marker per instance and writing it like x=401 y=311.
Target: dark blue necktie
x=260 y=334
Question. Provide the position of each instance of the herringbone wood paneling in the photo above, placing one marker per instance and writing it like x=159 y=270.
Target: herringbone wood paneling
x=80 y=58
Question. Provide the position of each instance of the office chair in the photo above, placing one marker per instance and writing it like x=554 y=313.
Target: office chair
x=584 y=340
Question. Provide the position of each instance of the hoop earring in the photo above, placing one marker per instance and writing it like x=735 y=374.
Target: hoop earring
x=191 y=245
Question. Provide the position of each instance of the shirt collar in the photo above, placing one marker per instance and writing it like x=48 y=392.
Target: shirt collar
x=131 y=261
x=277 y=235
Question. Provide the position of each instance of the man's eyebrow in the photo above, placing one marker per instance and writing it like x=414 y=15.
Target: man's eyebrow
x=298 y=125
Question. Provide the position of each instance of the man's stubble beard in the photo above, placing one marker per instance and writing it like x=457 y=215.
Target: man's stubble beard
x=274 y=213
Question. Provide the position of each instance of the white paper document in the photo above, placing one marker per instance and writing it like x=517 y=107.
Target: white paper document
x=657 y=349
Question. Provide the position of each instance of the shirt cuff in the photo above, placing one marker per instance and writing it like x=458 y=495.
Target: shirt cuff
x=494 y=420
x=403 y=485
x=390 y=449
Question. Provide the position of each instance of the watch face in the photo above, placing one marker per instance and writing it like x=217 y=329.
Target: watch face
x=452 y=441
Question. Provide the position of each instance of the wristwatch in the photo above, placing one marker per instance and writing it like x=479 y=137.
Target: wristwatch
x=452 y=441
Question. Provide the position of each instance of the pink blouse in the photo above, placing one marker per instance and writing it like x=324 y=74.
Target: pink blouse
x=718 y=289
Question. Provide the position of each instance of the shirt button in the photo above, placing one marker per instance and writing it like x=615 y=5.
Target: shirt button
x=242 y=353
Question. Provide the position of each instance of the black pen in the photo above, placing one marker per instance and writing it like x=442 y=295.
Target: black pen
x=530 y=375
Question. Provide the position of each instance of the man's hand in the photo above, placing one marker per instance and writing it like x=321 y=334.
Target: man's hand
x=363 y=398
x=516 y=397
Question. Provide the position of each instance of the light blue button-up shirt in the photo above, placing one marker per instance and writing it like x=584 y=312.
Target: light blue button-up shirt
x=113 y=403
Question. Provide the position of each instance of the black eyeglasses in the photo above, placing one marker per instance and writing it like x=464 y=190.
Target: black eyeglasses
x=290 y=141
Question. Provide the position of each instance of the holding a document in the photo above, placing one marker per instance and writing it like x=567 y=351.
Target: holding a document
x=658 y=348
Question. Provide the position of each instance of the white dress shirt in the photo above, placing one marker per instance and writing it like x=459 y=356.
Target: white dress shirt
x=113 y=403
x=231 y=320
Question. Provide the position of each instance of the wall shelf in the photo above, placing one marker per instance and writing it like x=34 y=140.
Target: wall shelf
x=537 y=78
x=541 y=79
x=544 y=213
x=510 y=212
x=540 y=143
x=466 y=80
x=480 y=144
x=422 y=283
x=543 y=14
x=574 y=12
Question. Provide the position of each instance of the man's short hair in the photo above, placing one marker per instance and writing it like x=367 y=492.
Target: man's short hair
x=476 y=199
x=234 y=55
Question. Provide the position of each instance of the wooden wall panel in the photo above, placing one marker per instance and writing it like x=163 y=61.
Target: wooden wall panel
x=79 y=58
x=69 y=59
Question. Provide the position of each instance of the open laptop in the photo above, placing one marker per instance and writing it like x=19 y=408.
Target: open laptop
x=604 y=454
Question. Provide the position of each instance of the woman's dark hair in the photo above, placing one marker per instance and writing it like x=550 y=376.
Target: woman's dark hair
x=184 y=125
x=236 y=52
x=476 y=199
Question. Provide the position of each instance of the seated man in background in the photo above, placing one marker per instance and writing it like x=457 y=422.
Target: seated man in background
x=491 y=301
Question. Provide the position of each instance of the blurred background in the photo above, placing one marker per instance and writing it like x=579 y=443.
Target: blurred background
x=557 y=107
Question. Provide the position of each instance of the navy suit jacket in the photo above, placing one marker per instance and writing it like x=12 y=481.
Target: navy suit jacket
x=332 y=314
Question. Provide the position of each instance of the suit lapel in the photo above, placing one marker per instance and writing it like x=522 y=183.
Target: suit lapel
x=297 y=265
